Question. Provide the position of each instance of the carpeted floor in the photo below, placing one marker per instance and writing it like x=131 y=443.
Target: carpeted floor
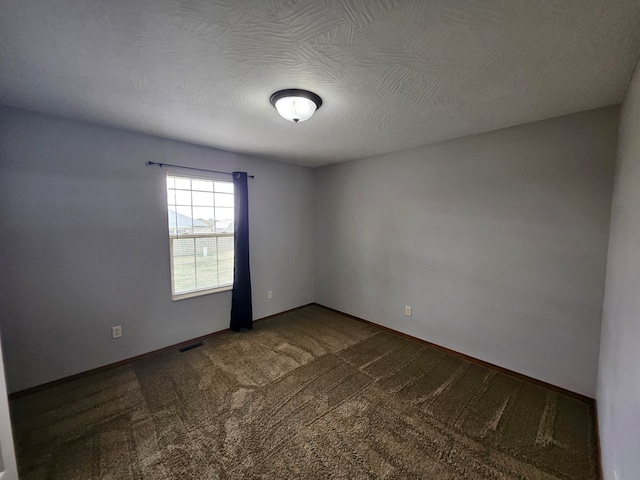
x=307 y=394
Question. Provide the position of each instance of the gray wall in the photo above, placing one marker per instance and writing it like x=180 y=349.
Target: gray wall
x=498 y=241
x=84 y=245
x=619 y=377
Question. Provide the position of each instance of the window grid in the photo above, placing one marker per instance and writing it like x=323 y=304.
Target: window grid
x=200 y=212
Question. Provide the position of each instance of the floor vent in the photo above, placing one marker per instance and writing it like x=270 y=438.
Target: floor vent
x=191 y=347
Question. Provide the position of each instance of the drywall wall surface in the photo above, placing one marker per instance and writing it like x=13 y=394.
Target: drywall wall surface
x=618 y=380
x=85 y=245
x=498 y=242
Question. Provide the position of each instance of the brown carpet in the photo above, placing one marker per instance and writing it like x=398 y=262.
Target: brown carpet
x=307 y=394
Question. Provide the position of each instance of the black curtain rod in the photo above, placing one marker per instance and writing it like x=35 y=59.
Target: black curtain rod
x=192 y=168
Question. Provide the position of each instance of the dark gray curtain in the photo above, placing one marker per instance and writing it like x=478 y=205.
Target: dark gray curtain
x=241 y=308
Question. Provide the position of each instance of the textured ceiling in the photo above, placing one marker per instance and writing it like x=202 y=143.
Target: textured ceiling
x=392 y=74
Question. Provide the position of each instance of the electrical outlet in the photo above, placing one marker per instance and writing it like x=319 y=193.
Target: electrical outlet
x=116 y=332
x=407 y=311
x=269 y=295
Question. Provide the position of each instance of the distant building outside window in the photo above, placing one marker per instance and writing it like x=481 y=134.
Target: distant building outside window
x=200 y=220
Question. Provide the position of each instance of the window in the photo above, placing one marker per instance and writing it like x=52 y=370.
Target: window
x=200 y=235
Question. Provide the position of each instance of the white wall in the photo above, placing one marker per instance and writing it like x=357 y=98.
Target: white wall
x=619 y=371
x=84 y=245
x=498 y=241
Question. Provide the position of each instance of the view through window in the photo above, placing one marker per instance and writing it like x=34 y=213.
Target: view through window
x=201 y=219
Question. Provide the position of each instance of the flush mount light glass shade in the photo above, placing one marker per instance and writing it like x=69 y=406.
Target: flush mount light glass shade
x=295 y=109
x=296 y=105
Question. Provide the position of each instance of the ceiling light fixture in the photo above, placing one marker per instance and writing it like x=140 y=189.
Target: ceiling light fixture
x=296 y=105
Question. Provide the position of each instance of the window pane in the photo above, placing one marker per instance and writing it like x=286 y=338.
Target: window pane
x=184 y=276
x=183 y=197
x=202 y=198
x=184 y=217
x=224 y=226
x=224 y=187
x=183 y=183
x=202 y=185
x=173 y=222
x=184 y=267
x=201 y=214
x=183 y=247
x=171 y=196
x=225 y=260
x=223 y=213
x=224 y=200
x=206 y=263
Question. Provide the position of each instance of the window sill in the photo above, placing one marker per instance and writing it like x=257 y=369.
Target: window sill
x=200 y=293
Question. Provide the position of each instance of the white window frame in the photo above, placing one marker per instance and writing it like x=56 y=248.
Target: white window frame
x=172 y=237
